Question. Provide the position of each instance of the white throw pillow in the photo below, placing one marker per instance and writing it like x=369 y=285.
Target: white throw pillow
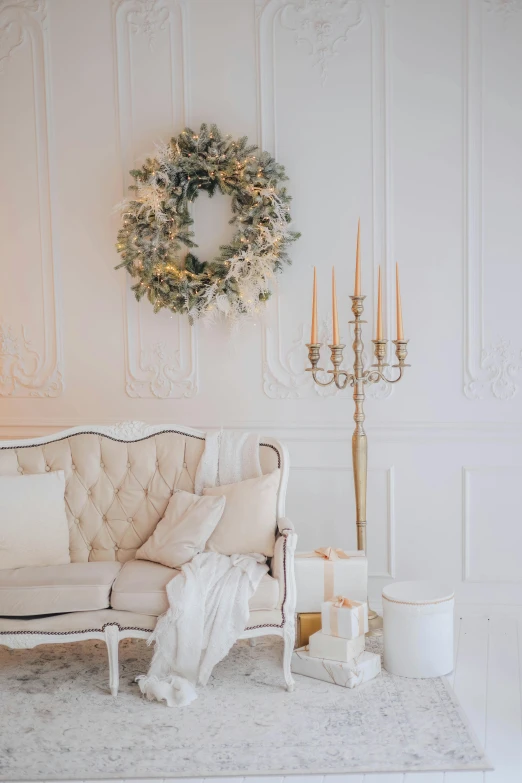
x=248 y=523
x=33 y=523
x=184 y=530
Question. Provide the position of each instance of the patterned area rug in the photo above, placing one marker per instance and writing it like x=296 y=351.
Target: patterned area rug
x=58 y=721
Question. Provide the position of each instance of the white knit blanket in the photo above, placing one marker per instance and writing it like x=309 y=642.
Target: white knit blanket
x=208 y=612
x=230 y=456
x=209 y=600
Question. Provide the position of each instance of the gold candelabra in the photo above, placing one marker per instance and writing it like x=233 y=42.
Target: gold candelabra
x=359 y=379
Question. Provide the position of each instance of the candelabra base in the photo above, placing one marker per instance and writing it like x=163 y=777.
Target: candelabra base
x=374 y=623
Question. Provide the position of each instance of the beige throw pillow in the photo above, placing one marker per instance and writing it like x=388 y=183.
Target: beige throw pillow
x=249 y=520
x=184 y=530
x=33 y=524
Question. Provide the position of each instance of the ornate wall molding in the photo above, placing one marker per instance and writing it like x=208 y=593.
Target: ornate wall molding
x=24 y=370
x=147 y=17
x=283 y=378
x=13 y=31
x=321 y=26
x=489 y=371
x=498 y=368
x=164 y=368
x=504 y=8
x=21 y=366
x=284 y=375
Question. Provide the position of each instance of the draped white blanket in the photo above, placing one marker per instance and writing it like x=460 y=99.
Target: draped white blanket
x=209 y=600
x=230 y=456
x=208 y=611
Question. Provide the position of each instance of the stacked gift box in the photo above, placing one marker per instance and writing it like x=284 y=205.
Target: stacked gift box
x=332 y=627
x=336 y=652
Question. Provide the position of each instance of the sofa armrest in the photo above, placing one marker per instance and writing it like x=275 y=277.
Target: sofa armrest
x=285 y=526
x=283 y=565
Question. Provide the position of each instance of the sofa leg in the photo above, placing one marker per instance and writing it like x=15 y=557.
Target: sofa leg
x=289 y=640
x=112 y=639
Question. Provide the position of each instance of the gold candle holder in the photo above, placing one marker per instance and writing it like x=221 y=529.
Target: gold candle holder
x=358 y=377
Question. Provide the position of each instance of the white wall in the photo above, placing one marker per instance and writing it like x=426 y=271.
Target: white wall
x=411 y=118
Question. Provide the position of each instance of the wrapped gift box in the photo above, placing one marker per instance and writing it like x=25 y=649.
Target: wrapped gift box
x=328 y=572
x=307 y=624
x=334 y=648
x=348 y=675
x=344 y=617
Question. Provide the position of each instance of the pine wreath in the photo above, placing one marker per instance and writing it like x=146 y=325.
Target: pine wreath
x=157 y=224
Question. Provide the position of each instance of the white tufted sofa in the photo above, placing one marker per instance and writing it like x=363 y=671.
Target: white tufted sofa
x=118 y=483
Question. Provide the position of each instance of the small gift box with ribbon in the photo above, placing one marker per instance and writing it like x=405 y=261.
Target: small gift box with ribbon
x=344 y=617
x=326 y=572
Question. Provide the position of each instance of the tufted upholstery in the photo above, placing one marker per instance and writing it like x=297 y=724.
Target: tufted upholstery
x=116 y=491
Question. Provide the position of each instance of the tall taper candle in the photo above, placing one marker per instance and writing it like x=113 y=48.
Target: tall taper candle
x=335 y=319
x=378 y=335
x=400 y=333
x=313 y=335
x=357 y=291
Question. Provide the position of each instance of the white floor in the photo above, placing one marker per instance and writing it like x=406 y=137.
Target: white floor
x=488 y=681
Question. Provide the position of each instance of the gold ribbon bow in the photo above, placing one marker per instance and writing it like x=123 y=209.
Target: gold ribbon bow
x=329 y=553
x=341 y=602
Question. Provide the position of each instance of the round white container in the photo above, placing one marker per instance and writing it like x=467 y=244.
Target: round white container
x=418 y=629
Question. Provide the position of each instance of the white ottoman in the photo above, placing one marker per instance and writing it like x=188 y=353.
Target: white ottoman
x=418 y=629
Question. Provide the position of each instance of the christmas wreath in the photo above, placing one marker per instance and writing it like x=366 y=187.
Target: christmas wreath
x=157 y=224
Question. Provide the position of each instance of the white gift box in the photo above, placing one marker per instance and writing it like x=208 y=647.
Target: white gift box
x=348 y=675
x=334 y=648
x=325 y=573
x=344 y=617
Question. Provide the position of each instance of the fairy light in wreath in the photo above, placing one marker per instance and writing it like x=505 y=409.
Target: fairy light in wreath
x=156 y=227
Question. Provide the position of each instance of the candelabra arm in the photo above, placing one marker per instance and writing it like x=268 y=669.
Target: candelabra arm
x=336 y=357
x=377 y=372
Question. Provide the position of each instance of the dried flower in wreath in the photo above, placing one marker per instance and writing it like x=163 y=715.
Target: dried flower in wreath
x=157 y=225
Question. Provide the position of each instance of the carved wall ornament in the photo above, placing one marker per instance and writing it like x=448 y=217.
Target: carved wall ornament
x=503 y=7
x=13 y=33
x=147 y=17
x=321 y=25
x=499 y=366
x=161 y=375
x=21 y=367
x=284 y=370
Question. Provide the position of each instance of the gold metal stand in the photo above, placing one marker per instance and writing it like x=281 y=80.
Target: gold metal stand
x=359 y=378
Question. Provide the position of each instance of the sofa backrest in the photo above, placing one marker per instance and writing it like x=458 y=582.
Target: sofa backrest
x=118 y=481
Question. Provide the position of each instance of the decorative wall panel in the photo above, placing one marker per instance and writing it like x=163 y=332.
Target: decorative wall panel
x=150 y=50
x=492 y=545
x=324 y=31
x=30 y=328
x=493 y=194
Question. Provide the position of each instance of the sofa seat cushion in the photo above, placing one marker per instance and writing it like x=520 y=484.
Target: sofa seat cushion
x=140 y=587
x=72 y=587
